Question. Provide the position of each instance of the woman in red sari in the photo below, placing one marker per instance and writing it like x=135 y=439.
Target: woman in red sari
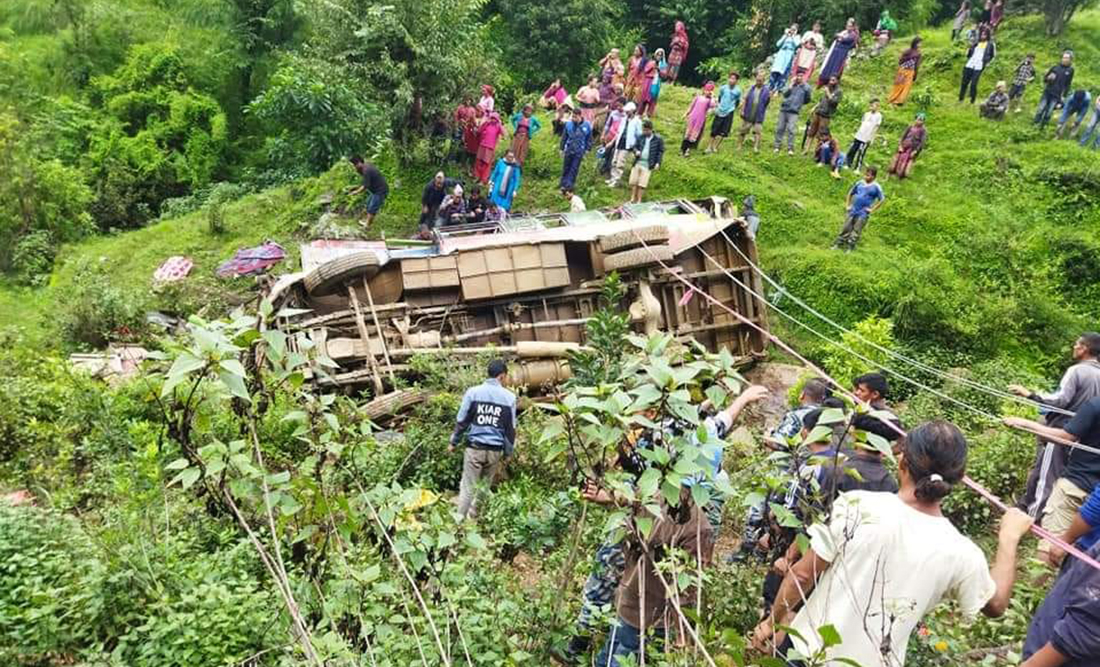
x=632 y=73
x=677 y=50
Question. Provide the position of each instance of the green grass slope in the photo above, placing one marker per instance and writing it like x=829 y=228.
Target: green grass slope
x=989 y=250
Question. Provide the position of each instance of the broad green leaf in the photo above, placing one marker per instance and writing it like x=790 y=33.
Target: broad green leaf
x=476 y=541
x=233 y=366
x=187 y=477
x=645 y=525
x=178 y=464
x=829 y=636
x=235 y=384
x=647 y=483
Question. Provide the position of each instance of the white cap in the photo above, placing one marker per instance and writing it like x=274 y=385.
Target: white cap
x=630 y=106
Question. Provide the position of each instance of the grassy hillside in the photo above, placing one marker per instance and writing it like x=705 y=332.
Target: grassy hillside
x=988 y=251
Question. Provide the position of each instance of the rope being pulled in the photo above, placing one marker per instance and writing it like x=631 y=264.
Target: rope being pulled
x=840 y=345
x=1039 y=531
x=885 y=350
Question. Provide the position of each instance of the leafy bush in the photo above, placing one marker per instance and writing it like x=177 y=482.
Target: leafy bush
x=32 y=258
x=316 y=114
x=94 y=311
x=581 y=31
x=216 y=614
x=49 y=604
x=845 y=366
x=523 y=515
x=165 y=138
x=420 y=58
x=40 y=197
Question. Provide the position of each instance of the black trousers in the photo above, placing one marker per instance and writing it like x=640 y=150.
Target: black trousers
x=970 y=78
x=856 y=152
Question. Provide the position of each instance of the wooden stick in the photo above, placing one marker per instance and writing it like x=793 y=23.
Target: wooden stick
x=378 y=328
x=362 y=325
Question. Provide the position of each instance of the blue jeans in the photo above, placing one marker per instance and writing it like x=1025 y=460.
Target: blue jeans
x=1080 y=113
x=571 y=166
x=625 y=640
x=1046 y=108
x=374 y=203
x=1093 y=127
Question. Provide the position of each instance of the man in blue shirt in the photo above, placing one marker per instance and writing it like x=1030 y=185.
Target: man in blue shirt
x=864 y=198
x=575 y=142
x=487 y=419
x=729 y=97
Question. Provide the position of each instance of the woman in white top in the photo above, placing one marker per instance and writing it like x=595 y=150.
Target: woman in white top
x=978 y=58
x=885 y=560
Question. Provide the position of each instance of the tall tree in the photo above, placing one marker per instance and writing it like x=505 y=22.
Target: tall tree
x=417 y=56
x=1057 y=13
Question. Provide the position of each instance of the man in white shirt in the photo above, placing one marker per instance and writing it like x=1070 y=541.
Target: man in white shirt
x=865 y=136
x=630 y=130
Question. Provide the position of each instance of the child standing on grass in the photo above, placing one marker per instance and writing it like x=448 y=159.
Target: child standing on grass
x=1025 y=73
x=865 y=135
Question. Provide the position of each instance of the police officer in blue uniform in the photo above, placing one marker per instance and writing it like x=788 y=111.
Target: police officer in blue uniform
x=487 y=420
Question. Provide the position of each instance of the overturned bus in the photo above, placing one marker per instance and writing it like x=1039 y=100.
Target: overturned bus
x=525 y=287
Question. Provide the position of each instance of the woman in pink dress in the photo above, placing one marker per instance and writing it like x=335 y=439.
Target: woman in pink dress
x=677 y=50
x=489 y=136
x=588 y=99
x=553 y=96
x=805 y=59
x=696 y=116
x=647 y=101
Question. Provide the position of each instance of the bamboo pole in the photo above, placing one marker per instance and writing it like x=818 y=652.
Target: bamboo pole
x=362 y=325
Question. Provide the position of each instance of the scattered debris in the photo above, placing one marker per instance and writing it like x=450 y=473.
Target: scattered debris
x=114 y=365
x=252 y=261
x=173 y=269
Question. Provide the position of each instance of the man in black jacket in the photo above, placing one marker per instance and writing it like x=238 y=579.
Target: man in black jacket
x=1057 y=82
x=648 y=154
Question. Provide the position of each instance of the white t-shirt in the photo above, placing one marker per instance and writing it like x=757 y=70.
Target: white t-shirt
x=977 y=59
x=890 y=565
x=576 y=205
x=869 y=127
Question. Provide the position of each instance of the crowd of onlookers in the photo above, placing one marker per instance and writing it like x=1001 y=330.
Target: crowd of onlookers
x=611 y=116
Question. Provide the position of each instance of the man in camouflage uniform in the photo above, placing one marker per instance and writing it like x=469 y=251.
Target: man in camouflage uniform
x=609 y=563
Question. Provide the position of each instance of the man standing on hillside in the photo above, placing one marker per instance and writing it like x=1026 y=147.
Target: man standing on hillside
x=487 y=420
x=1080 y=383
x=1058 y=80
x=865 y=197
x=630 y=130
x=576 y=139
x=1082 y=472
x=795 y=96
x=729 y=97
x=648 y=154
x=1025 y=73
x=754 y=110
x=374 y=183
x=823 y=113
